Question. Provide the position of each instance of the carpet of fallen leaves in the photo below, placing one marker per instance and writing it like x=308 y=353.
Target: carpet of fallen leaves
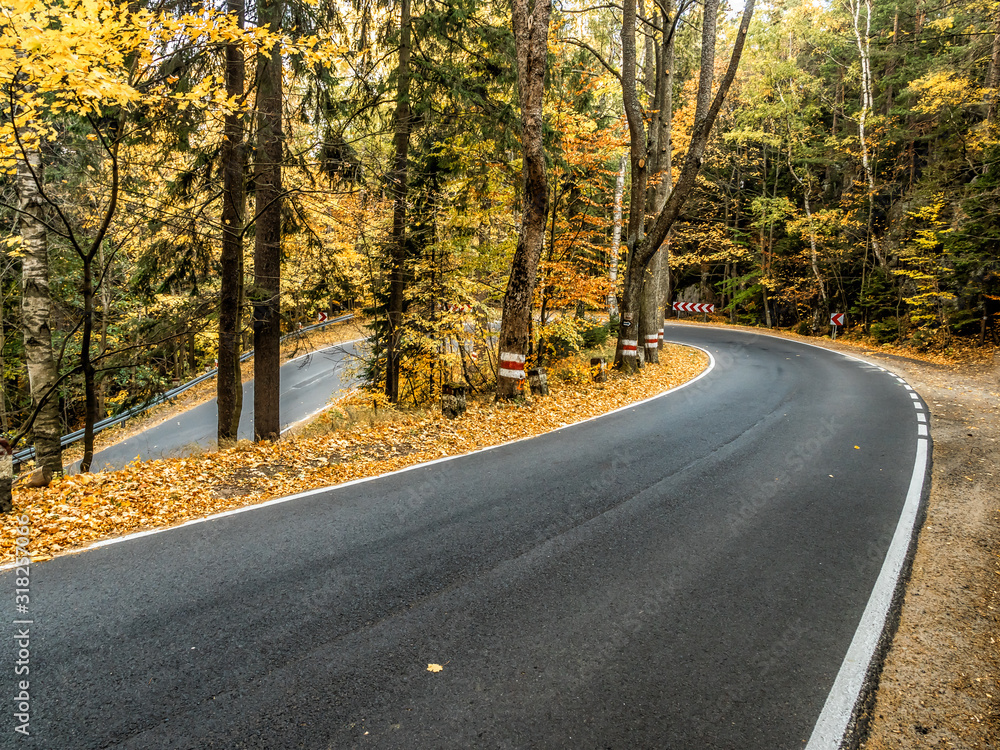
x=77 y=510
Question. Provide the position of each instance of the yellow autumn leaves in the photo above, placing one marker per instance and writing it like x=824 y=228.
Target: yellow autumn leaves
x=84 y=56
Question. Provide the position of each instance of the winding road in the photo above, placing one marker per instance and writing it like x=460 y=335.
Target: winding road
x=688 y=572
x=307 y=383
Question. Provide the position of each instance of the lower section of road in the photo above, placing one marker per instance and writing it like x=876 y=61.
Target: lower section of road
x=307 y=384
x=686 y=573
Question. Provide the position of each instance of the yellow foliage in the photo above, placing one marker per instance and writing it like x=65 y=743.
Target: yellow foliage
x=943 y=90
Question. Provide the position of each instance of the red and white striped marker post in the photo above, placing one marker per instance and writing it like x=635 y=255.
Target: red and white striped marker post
x=630 y=347
x=511 y=366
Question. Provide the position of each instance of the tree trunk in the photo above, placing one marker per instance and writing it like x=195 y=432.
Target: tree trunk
x=630 y=329
x=87 y=364
x=863 y=42
x=650 y=315
x=531 y=32
x=229 y=380
x=616 y=238
x=661 y=159
x=706 y=110
x=4 y=426
x=36 y=308
x=88 y=291
x=994 y=76
x=267 y=241
x=398 y=189
x=102 y=386
x=6 y=477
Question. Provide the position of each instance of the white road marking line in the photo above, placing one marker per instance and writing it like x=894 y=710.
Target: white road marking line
x=914 y=396
x=320 y=351
x=921 y=417
x=907 y=386
x=922 y=430
x=841 y=703
x=832 y=724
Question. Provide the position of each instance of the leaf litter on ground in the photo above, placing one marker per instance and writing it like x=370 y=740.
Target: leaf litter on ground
x=75 y=511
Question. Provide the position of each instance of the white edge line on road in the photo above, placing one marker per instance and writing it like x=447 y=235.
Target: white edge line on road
x=320 y=351
x=842 y=702
x=362 y=480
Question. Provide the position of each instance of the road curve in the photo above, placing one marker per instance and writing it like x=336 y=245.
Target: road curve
x=307 y=383
x=686 y=573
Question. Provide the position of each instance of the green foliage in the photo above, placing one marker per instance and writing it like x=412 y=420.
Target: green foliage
x=560 y=340
x=885 y=331
x=594 y=334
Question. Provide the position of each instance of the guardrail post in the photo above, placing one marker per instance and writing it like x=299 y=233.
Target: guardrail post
x=538 y=381
x=6 y=477
x=453 y=401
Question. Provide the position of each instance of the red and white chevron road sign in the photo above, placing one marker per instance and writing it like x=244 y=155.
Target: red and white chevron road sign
x=702 y=307
x=322 y=317
x=836 y=319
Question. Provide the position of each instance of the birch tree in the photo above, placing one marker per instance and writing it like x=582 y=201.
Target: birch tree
x=36 y=308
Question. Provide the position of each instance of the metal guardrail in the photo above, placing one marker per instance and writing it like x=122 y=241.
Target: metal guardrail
x=28 y=454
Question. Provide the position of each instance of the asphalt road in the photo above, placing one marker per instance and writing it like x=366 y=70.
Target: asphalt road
x=685 y=573
x=307 y=383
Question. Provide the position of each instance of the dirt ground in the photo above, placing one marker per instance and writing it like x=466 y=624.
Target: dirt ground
x=940 y=686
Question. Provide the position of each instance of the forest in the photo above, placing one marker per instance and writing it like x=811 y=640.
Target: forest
x=487 y=183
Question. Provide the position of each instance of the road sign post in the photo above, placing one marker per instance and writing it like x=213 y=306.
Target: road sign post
x=836 y=319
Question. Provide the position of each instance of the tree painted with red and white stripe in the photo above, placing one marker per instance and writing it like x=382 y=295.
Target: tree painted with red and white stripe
x=531 y=33
x=706 y=111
